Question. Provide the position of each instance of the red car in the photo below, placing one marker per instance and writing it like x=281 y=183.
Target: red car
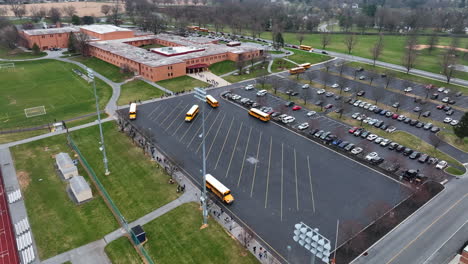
x=296 y=107
x=440 y=107
x=353 y=129
x=395 y=116
x=328 y=106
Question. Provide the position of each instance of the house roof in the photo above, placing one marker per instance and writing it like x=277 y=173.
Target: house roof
x=38 y=32
x=103 y=29
x=64 y=160
x=79 y=184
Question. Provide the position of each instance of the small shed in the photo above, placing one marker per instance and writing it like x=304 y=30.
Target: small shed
x=140 y=234
x=65 y=165
x=80 y=188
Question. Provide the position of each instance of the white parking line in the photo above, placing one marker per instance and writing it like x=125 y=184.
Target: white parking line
x=216 y=135
x=234 y=150
x=243 y=159
x=255 y=168
x=268 y=173
x=310 y=180
x=225 y=139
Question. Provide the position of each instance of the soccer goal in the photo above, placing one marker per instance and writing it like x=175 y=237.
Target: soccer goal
x=35 y=111
x=7 y=65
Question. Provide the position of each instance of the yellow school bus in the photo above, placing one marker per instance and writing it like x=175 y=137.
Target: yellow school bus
x=212 y=101
x=219 y=189
x=296 y=70
x=305 y=65
x=192 y=113
x=305 y=47
x=132 y=111
x=259 y=114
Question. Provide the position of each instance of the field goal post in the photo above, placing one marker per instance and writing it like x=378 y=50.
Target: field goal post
x=35 y=111
x=7 y=65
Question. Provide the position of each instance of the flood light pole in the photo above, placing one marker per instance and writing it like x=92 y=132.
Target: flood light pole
x=313 y=241
x=200 y=94
x=102 y=146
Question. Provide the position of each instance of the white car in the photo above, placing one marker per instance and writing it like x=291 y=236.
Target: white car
x=408 y=89
x=445 y=100
x=347 y=89
x=371 y=156
x=391 y=129
x=362 y=104
x=303 y=126
x=357 y=103
x=335 y=85
x=362 y=77
x=261 y=92
x=321 y=91
x=305 y=86
x=367 y=105
x=288 y=119
x=249 y=87
x=454 y=122
x=446 y=91
x=448 y=120
x=371 y=137
x=385 y=142
x=441 y=165
x=311 y=113
x=372 y=107
x=355 y=115
x=441 y=89
x=378 y=140
x=356 y=151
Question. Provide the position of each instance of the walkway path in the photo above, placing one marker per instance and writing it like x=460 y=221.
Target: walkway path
x=205 y=76
x=50 y=55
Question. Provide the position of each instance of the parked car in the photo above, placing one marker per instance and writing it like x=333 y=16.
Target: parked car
x=249 y=87
x=454 y=122
x=407 y=151
x=321 y=91
x=415 y=155
x=303 y=126
x=435 y=129
x=393 y=146
x=423 y=158
x=361 y=93
x=328 y=106
x=400 y=148
x=427 y=126
x=349 y=147
x=362 y=77
x=385 y=142
x=371 y=137
x=296 y=108
x=396 y=104
x=426 y=113
x=417 y=109
x=365 y=134
x=305 y=86
x=447 y=120
x=441 y=165
x=346 y=89
x=408 y=89
x=434 y=96
x=353 y=129
x=311 y=113
x=329 y=94
x=420 y=124
x=356 y=151
x=262 y=92
x=371 y=156
x=335 y=85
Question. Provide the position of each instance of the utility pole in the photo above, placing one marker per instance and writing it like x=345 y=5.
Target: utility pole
x=200 y=94
x=102 y=147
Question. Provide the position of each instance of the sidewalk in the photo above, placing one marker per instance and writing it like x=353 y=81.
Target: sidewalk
x=92 y=253
x=209 y=78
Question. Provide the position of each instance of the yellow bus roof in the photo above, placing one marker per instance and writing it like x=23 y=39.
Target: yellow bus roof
x=216 y=184
x=192 y=110
x=305 y=64
x=132 y=108
x=211 y=98
x=297 y=68
x=258 y=112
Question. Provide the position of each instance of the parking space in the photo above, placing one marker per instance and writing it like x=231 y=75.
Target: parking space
x=278 y=177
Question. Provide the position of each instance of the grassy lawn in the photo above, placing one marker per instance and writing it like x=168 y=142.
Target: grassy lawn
x=150 y=46
x=176 y=238
x=121 y=251
x=281 y=65
x=58 y=224
x=108 y=70
x=182 y=83
x=137 y=90
x=47 y=83
x=223 y=67
x=253 y=73
x=135 y=184
x=400 y=137
x=301 y=56
x=454 y=140
x=454 y=171
x=4 y=138
x=18 y=54
x=275 y=52
x=410 y=77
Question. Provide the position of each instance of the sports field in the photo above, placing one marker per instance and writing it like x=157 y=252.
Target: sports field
x=176 y=237
x=47 y=83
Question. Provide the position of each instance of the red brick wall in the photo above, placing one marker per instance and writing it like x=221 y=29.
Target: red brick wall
x=57 y=40
x=109 y=36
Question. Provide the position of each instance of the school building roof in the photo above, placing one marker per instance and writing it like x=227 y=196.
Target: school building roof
x=38 y=32
x=103 y=29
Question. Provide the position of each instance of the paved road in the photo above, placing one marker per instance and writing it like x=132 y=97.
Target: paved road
x=416 y=239
x=277 y=177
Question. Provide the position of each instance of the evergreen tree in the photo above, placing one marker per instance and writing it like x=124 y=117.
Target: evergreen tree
x=461 y=129
x=75 y=20
x=71 y=43
x=35 y=49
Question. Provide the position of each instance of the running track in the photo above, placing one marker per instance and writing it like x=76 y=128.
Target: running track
x=8 y=252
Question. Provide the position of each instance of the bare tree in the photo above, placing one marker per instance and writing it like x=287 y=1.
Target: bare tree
x=262 y=78
x=305 y=95
x=81 y=43
x=240 y=64
x=341 y=66
x=37 y=13
x=350 y=41
x=409 y=57
x=389 y=78
x=9 y=37
x=69 y=10
x=17 y=7
x=448 y=62
x=311 y=75
x=275 y=85
x=55 y=14
x=435 y=140
x=377 y=49
x=300 y=37
x=325 y=78
x=3 y=11
x=115 y=13
x=105 y=9
x=432 y=41
x=325 y=39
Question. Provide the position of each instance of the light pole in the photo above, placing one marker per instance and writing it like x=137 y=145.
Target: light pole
x=313 y=241
x=200 y=94
x=102 y=146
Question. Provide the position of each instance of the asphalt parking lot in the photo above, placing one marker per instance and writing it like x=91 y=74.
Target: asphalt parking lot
x=278 y=178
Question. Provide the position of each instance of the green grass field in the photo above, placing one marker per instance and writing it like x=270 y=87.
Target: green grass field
x=108 y=70
x=135 y=184
x=281 y=65
x=137 y=90
x=301 y=56
x=182 y=83
x=253 y=73
x=176 y=238
x=121 y=251
x=454 y=171
x=58 y=224
x=223 y=67
x=453 y=140
x=18 y=54
x=47 y=83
